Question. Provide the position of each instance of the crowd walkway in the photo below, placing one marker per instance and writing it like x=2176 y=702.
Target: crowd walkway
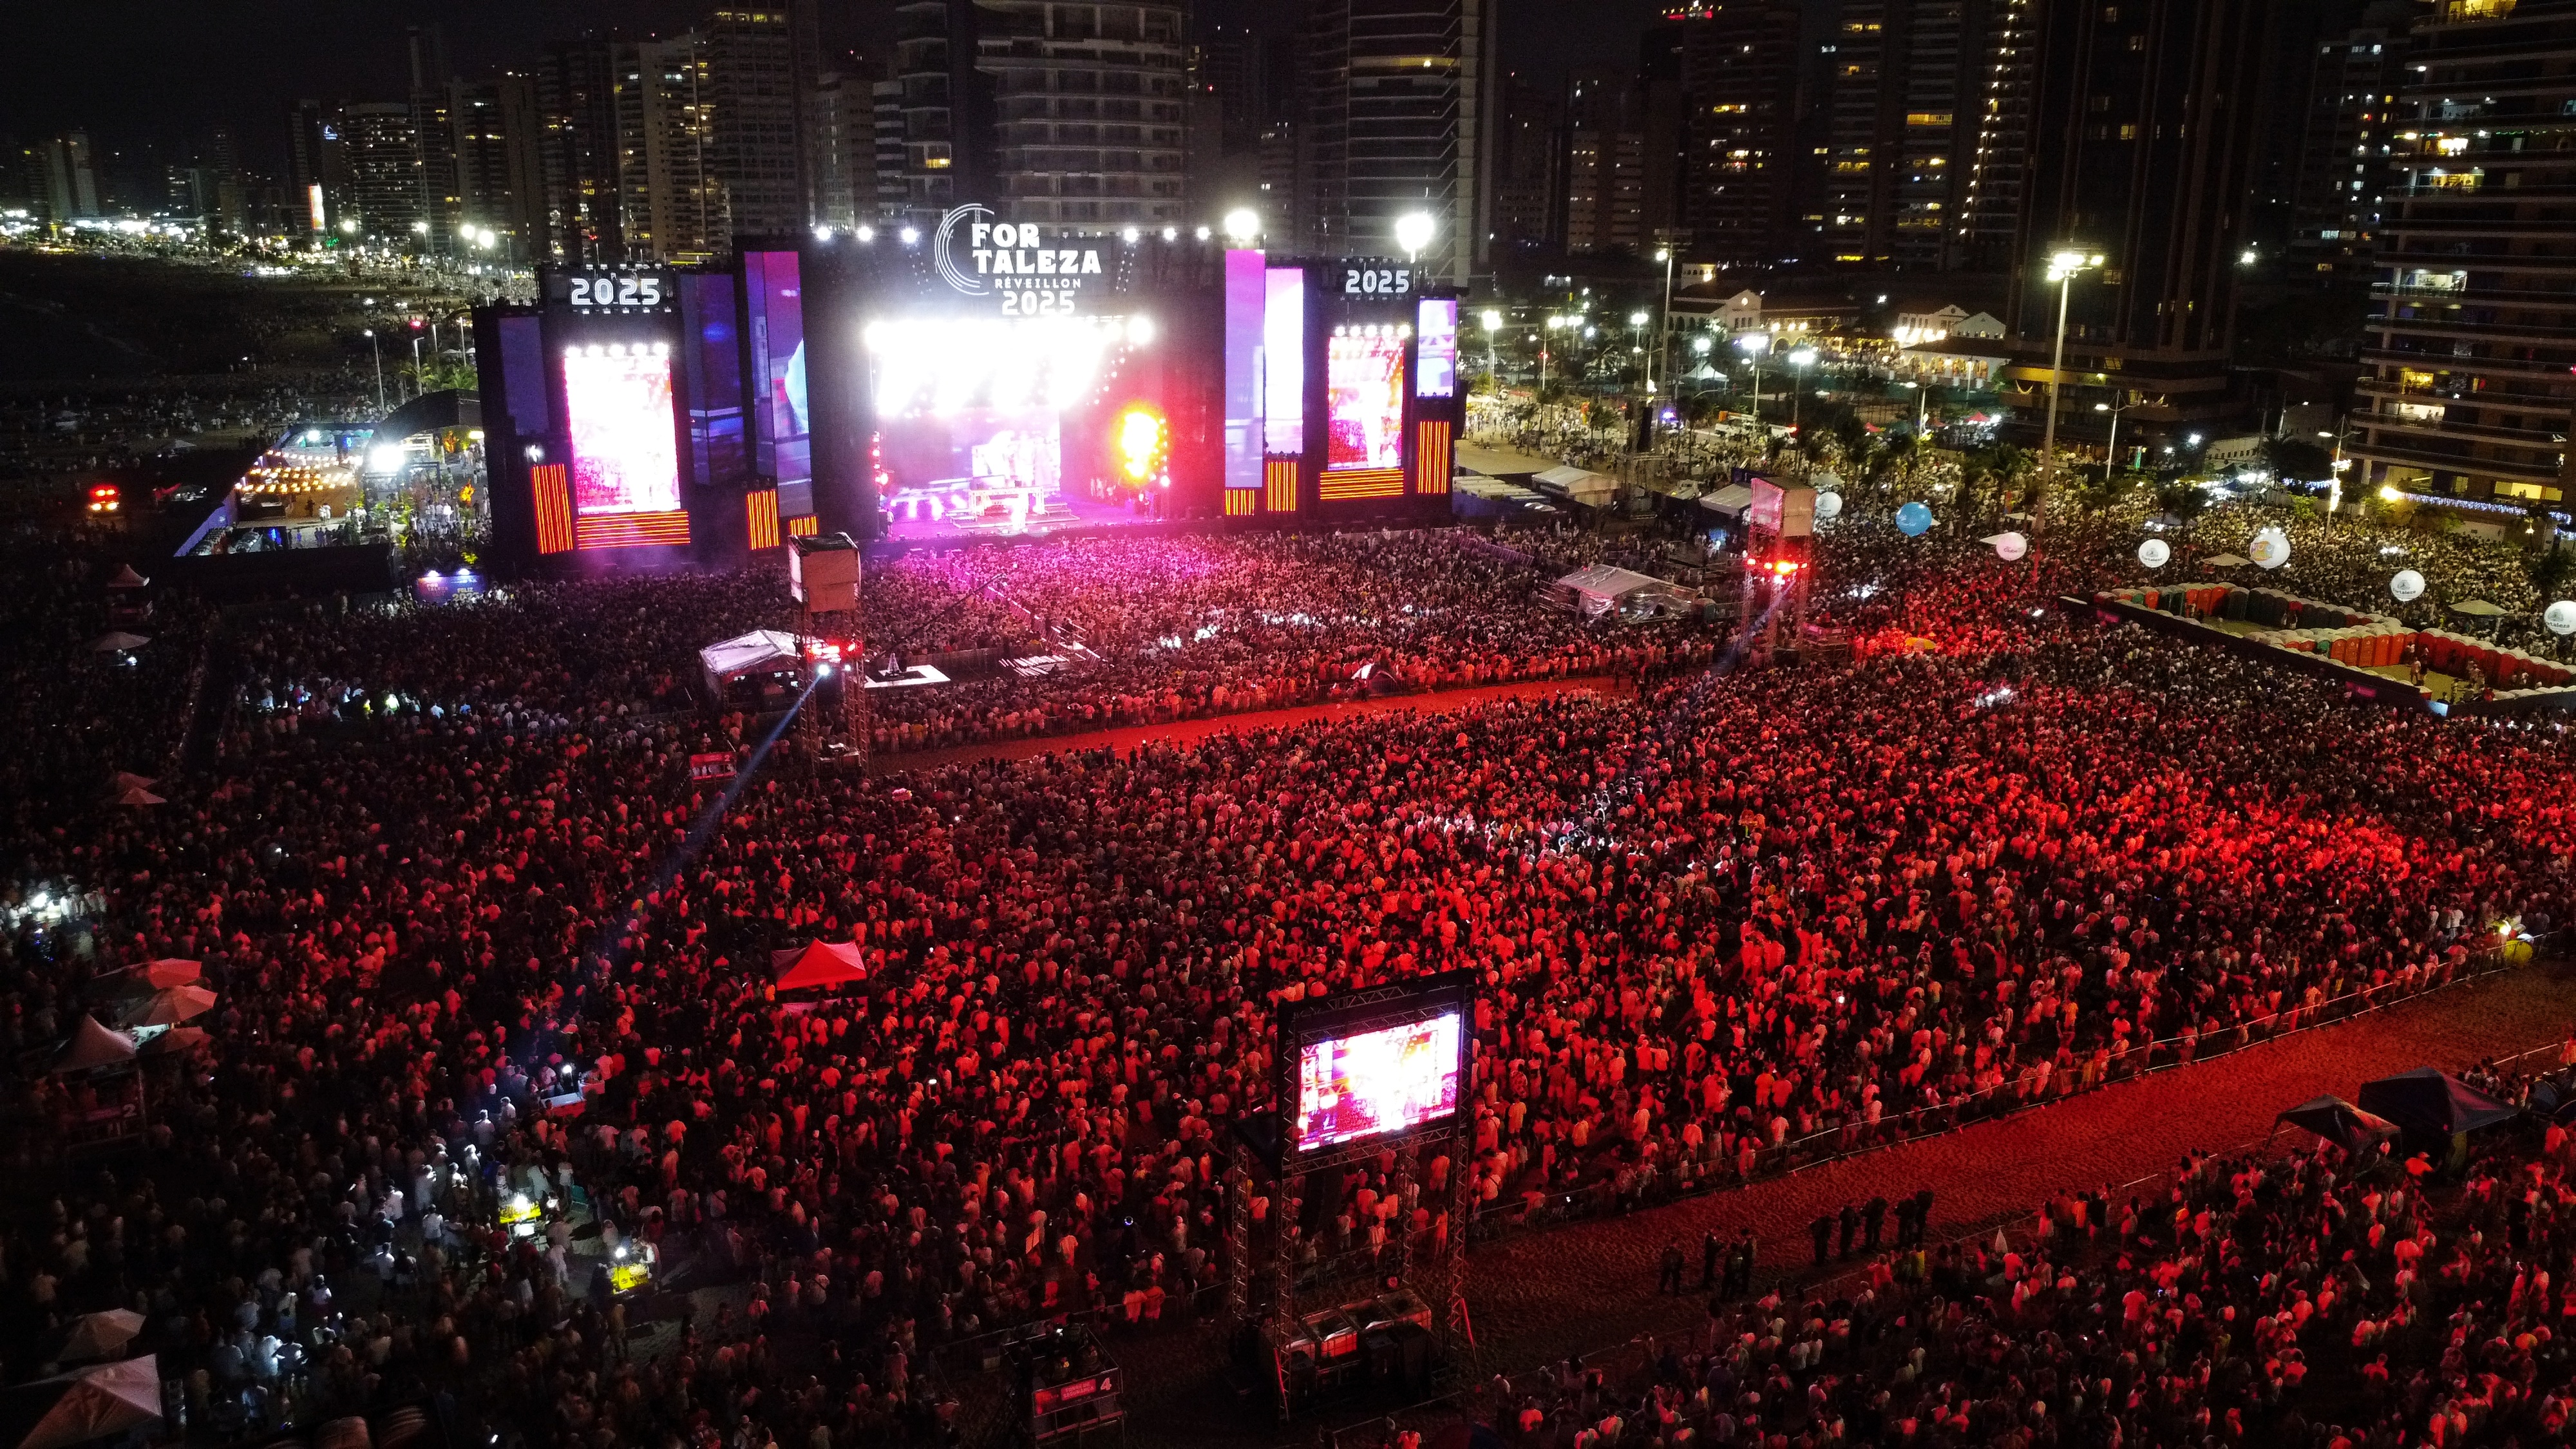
x=1128 y=737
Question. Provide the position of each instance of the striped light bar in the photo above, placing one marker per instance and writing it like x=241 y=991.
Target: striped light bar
x=631 y=530
x=760 y=513
x=1279 y=478
x=1361 y=483
x=553 y=489
x=1433 y=458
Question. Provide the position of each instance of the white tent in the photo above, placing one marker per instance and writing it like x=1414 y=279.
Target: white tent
x=1580 y=484
x=1733 y=498
x=88 y=1404
x=98 y=1335
x=1599 y=588
x=752 y=653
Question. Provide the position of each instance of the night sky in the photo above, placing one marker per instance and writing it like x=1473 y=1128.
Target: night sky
x=159 y=75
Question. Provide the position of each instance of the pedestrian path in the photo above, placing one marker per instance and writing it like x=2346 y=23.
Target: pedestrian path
x=1128 y=737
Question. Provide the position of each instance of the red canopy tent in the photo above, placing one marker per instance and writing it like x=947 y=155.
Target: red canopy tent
x=818 y=964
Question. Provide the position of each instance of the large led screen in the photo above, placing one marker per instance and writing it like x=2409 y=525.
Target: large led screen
x=1245 y=292
x=776 y=295
x=1435 y=347
x=1390 y=1080
x=1364 y=378
x=617 y=405
x=1283 y=361
x=972 y=414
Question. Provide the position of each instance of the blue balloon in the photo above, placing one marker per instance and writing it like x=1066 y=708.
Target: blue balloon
x=1913 y=520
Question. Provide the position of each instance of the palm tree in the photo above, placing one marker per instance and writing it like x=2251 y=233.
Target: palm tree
x=2012 y=468
x=2185 y=501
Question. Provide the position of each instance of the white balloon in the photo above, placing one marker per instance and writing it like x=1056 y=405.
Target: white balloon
x=2407 y=586
x=2154 y=552
x=1829 y=506
x=2560 y=617
x=2269 y=549
x=2011 y=546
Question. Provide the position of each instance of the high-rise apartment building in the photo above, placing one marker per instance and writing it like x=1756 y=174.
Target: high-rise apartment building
x=497 y=150
x=671 y=206
x=2472 y=347
x=576 y=95
x=317 y=169
x=1049 y=112
x=1928 y=114
x=840 y=146
x=893 y=183
x=1739 y=85
x=381 y=147
x=2148 y=123
x=1988 y=232
x=1399 y=118
x=2348 y=143
x=1605 y=161
x=750 y=102
x=433 y=133
x=1529 y=168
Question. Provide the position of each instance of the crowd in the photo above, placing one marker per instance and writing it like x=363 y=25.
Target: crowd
x=2313 y=1299
x=1188 y=627
x=1737 y=920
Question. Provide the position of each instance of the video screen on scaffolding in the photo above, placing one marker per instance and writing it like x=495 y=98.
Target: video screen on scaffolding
x=625 y=451
x=998 y=426
x=1375 y=1082
x=1364 y=383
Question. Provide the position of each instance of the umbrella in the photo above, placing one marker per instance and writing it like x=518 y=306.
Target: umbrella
x=98 y=1335
x=169 y=1007
x=818 y=963
x=177 y=1041
x=87 y=1404
x=2477 y=609
x=125 y=780
x=140 y=796
x=166 y=972
x=2227 y=561
x=92 y=1045
x=117 y=639
x=127 y=578
x=2339 y=1122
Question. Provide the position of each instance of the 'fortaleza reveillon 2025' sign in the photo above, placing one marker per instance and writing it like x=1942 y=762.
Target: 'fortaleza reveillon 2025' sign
x=1033 y=274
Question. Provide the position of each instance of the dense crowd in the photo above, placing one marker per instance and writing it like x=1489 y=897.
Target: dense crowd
x=1199 y=626
x=2315 y=1299
x=1741 y=919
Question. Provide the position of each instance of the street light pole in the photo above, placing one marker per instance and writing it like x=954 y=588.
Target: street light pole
x=1664 y=318
x=1753 y=345
x=379 y=354
x=2061 y=269
x=1799 y=362
x=2111 y=449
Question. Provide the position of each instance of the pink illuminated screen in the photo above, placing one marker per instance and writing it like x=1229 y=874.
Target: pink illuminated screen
x=1364 y=375
x=625 y=450
x=1389 y=1080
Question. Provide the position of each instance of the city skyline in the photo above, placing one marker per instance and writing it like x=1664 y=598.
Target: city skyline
x=244 y=67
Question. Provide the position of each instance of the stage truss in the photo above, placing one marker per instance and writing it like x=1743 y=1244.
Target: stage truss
x=1262 y=1292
